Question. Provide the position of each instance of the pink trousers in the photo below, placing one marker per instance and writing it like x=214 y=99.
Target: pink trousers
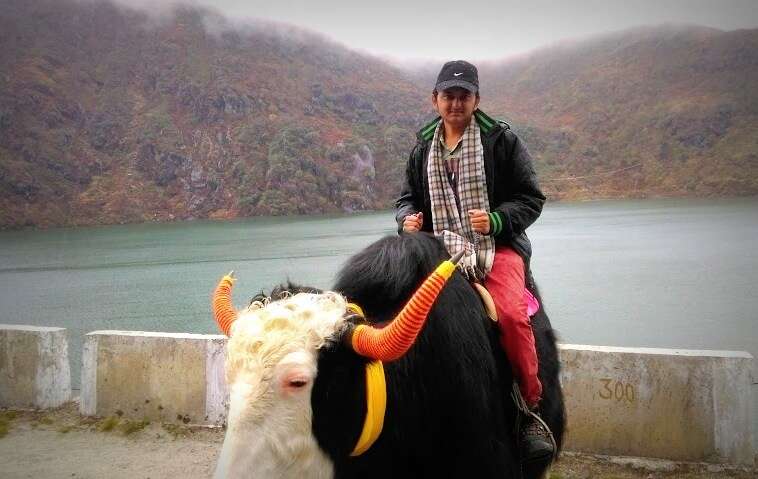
x=506 y=285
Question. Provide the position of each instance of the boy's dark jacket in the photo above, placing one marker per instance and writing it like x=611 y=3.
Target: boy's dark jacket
x=512 y=187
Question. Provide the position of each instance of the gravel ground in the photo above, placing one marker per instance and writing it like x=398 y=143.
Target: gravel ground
x=62 y=444
x=583 y=466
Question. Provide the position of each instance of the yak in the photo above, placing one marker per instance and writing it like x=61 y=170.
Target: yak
x=303 y=367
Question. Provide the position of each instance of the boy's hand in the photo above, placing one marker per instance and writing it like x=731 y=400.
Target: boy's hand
x=480 y=221
x=413 y=223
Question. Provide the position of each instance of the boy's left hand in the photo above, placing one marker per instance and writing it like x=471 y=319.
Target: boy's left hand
x=480 y=221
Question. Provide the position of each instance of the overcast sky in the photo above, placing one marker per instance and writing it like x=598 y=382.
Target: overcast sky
x=484 y=30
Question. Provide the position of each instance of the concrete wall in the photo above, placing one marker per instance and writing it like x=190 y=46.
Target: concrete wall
x=157 y=376
x=34 y=367
x=672 y=404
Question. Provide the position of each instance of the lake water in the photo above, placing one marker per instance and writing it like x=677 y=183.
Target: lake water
x=654 y=273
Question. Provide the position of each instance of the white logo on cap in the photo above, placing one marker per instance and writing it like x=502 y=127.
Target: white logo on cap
x=457 y=74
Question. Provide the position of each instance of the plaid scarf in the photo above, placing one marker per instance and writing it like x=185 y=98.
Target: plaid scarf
x=450 y=219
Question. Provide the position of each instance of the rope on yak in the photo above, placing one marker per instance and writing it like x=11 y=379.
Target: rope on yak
x=223 y=310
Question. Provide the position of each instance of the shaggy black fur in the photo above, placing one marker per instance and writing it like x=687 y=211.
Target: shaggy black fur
x=449 y=412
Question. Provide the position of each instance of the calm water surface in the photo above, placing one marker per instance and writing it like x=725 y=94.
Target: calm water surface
x=655 y=273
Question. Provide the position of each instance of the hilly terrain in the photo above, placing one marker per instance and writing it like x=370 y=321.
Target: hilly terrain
x=108 y=115
x=665 y=111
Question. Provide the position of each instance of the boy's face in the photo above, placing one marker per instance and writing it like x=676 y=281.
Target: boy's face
x=455 y=105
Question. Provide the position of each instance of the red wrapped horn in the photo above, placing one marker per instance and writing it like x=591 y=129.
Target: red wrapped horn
x=223 y=309
x=395 y=339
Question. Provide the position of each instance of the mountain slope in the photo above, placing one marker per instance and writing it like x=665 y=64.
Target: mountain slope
x=108 y=115
x=671 y=110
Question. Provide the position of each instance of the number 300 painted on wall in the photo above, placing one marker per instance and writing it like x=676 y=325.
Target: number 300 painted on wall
x=613 y=389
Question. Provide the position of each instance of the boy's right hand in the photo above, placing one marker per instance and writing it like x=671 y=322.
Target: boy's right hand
x=413 y=223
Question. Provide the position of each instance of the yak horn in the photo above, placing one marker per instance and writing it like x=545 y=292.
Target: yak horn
x=394 y=340
x=223 y=309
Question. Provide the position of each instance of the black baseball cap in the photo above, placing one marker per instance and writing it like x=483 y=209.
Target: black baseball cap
x=458 y=73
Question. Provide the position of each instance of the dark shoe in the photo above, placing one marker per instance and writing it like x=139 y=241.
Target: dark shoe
x=537 y=442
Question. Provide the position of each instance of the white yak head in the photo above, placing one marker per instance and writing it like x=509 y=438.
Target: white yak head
x=271 y=365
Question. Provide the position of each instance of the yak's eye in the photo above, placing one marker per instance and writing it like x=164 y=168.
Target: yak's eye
x=294 y=384
x=295 y=372
x=298 y=383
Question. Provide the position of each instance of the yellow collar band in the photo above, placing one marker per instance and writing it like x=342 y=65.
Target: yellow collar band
x=376 y=405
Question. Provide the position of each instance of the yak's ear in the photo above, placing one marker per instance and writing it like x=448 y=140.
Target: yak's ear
x=343 y=336
x=345 y=333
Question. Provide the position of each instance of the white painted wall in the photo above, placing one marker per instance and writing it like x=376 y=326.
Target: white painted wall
x=34 y=367
x=674 y=404
x=168 y=377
